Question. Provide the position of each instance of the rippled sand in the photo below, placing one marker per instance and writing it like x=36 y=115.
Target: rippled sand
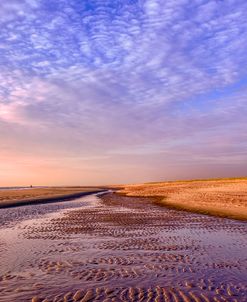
x=123 y=249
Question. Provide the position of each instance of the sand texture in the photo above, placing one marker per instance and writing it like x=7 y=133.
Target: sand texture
x=120 y=248
x=220 y=197
x=17 y=197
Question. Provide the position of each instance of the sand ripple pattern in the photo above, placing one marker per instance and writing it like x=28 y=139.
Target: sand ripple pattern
x=130 y=249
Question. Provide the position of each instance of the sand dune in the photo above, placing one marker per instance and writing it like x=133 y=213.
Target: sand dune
x=221 y=197
x=10 y=198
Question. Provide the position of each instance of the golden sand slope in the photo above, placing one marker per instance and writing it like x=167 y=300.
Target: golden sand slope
x=24 y=196
x=221 y=197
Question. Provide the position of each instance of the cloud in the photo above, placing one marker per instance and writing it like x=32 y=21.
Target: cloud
x=128 y=78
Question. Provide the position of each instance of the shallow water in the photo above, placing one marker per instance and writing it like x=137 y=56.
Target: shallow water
x=118 y=248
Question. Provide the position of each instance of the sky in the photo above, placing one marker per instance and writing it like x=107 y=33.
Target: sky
x=109 y=91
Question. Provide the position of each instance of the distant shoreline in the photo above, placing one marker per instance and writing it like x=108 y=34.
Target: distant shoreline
x=21 y=188
x=53 y=196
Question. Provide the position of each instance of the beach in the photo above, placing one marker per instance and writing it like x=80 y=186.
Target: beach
x=25 y=196
x=113 y=247
x=219 y=197
x=123 y=151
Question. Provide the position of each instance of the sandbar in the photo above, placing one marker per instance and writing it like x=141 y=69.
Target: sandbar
x=219 y=197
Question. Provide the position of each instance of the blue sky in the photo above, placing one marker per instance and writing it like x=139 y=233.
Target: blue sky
x=122 y=91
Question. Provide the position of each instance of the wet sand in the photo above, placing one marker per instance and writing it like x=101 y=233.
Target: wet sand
x=219 y=197
x=117 y=248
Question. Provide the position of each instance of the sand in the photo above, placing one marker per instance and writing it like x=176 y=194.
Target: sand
x=220 y=197
x=120 y=248
x=18 y=197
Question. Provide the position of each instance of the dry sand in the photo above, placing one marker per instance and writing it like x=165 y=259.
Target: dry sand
x=220 y=197
x=17 y=197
